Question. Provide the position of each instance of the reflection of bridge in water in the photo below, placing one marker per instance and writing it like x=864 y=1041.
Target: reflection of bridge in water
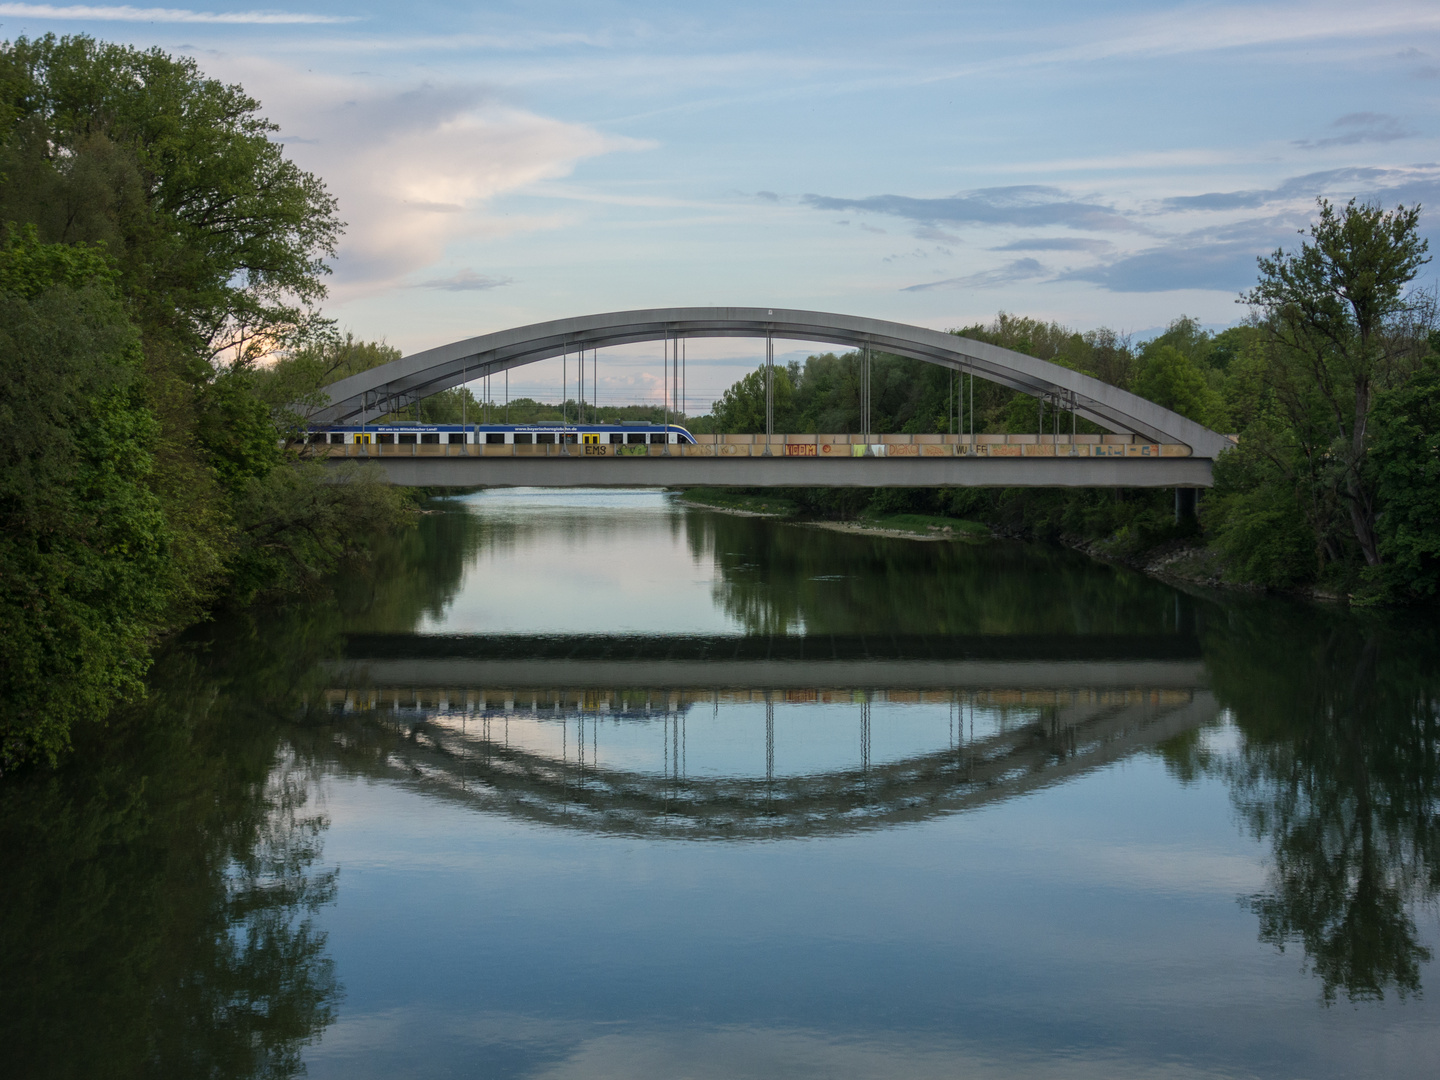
x=775 y=663
x=618 y=753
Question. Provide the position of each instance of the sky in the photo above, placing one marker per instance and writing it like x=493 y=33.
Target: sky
x=1109 y=164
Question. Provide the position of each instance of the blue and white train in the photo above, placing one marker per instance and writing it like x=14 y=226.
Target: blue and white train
x=503 y=434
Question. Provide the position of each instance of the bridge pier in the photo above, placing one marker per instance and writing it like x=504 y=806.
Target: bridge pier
x=1185 y=505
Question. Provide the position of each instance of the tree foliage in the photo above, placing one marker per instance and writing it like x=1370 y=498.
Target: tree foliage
x=158 y=245
x=1343 y=328
x=219 y=238
x=742 y=406
x=1170 y=378
x=1405 y=456
x=84 y=576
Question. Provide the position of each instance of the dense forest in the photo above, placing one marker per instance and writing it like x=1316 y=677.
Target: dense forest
x=1332 y=385
x=157 y=247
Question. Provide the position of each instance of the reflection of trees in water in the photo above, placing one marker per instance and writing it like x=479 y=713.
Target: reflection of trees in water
x=1340 y=764
x=778 y=579
x=415 y=573
x=1338 y=771
x=159 y=892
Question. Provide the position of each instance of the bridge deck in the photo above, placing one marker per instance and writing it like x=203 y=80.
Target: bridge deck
x=795 y=461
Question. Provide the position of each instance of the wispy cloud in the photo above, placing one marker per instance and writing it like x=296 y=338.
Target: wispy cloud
x=126 y=13
x=1019 y=270
x=1399 y=184
x=1057 y=243
x=464 y=281
x=1199 y=28
x=1026 y=204
x=1222 y=257
x=1361 y=127
x=1187 y=263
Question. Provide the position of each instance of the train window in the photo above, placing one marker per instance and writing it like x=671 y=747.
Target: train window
x=524 y=438
x=430 y=437
x=616 y=437
x=635 y=437
x=337 y=436
x=457 y=436
x=545 y=437
x=385 y=437
x=568 y=436
x=498 y=437
x=657 y=438
x=408 y=439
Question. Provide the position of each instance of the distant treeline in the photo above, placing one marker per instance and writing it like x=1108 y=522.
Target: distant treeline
x=1332 y=384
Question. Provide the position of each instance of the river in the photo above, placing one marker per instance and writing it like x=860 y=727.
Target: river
x=581 y=784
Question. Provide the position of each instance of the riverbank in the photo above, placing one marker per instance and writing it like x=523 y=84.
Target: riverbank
x=896 y=526
x=910 y=527
x=1190 y=561
x=1183 y=560
x=736 y=502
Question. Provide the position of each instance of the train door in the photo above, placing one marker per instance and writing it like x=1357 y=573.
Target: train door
x=590 y=439
x=362 y=437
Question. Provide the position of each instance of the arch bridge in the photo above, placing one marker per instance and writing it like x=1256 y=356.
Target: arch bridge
x=1159 y=448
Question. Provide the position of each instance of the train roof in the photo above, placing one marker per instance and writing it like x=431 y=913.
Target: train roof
x=543 y=426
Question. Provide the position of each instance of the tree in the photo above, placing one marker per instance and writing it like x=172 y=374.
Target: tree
x=1169 y=378
x=742 y=407
x=159 y=245
x=219 y=238
x=1341 y=326
x=85 y=579
x=1406 y=460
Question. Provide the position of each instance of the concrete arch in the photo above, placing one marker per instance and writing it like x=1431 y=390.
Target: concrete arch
x=360 y=398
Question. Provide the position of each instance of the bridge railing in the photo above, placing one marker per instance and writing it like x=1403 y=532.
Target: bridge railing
x=820 y=447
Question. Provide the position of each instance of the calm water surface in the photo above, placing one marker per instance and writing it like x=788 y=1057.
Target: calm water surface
x=594 y=784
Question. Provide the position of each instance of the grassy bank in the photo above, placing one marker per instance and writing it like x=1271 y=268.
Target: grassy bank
x=741 y=501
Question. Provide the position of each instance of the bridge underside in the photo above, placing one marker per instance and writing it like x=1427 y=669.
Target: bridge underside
x=789 y=472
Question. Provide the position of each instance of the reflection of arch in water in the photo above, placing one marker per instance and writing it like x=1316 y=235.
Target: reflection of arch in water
x=454 y=754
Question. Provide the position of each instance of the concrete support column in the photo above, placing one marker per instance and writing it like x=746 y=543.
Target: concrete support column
x=769 y=392
x=1184 y=505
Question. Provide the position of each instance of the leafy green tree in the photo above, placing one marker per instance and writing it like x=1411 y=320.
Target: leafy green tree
x=1405 y=456
x=1254 y=517
x=742 y=407
x=303 y=522
x=160 y=244
x=1168 y=377
x=293 y=385
x=85 y=579
x=1342 y=328
x=219 y=238
x=1228 y=344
